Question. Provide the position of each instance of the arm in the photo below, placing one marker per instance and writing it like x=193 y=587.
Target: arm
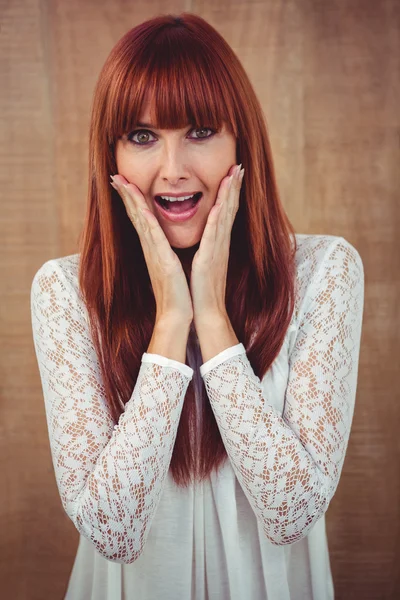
x=170 y=339
x=289 y=466
x=110 y=476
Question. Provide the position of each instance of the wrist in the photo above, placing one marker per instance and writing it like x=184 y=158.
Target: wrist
x=169 y=339
x=212 y=320
x=167 y=322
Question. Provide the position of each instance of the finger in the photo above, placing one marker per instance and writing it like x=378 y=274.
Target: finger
x=223 y=190
x=234 y=193
x=228 y=213
x=230 y=204
x=144 y=214
x=226 y=202
x=222 y=198
x=149 y=230
x=207 y=242
x=231 y=188
x=137 y=206
x=141 y=224
x=158 y=236
x=132 y=205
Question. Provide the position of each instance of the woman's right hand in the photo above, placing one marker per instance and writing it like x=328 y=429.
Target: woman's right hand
x=170 y=288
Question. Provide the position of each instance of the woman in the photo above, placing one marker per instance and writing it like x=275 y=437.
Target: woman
x=198 y=358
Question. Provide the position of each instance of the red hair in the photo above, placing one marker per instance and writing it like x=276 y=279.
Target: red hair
x=193 y=76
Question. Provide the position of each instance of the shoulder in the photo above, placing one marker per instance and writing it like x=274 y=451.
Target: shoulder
x=320 y=258
x=57 y=277
x=315 y=249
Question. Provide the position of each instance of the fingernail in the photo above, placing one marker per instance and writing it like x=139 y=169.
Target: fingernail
x=238 y=169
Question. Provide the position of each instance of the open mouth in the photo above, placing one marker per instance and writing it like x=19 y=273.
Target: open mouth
x=179 y=206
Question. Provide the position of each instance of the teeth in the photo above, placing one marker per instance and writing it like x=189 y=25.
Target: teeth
x=181 y=199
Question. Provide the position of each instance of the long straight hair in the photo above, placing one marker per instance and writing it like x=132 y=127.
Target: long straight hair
x=193 y=76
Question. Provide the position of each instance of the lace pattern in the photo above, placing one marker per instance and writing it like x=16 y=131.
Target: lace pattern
x=289 y=465
x=110 y=476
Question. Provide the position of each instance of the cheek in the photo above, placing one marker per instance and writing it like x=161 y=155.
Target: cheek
x=211 y=198
x=216 y=186
x=133 y=173
x=126 y=166
x=119 y=156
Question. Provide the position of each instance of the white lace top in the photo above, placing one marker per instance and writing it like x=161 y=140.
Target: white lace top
x=257 y=529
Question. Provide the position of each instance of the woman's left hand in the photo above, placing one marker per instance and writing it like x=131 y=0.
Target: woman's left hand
x=210 y=263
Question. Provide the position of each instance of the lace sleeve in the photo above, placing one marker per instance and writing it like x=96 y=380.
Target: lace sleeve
x=289 y=466
x=110 y=476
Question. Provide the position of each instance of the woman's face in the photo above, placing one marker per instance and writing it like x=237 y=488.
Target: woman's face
x=177 y=161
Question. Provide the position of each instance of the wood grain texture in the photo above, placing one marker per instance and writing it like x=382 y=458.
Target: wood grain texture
x=327 y=76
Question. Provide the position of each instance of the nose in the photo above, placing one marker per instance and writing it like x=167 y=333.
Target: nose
x=174 y=164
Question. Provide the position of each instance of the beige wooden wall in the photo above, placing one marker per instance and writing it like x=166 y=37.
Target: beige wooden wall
x=327 y=74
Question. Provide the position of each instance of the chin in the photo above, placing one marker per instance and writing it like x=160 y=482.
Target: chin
x=182 y=239
x=182 y=245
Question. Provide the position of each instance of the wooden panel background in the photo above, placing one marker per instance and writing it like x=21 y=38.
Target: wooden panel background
x=327 y=74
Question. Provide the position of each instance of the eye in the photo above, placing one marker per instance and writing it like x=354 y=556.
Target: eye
x=141 y=131
x=146 y=132
x=205 y=129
